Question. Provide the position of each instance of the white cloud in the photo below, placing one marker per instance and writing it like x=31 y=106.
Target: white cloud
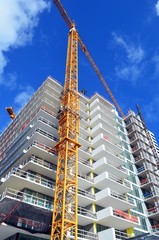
x=157 y=8
x=3 y=62
x=131 y=72
x=135 y=54
x=23 y=97
x=151 y=110
x=155 y=60
x=18 y=19
x=9 y=81
x=132 y=66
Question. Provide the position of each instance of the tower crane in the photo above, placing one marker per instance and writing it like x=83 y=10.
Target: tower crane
x=83 y=47
x=65 y=213
x=65 y=216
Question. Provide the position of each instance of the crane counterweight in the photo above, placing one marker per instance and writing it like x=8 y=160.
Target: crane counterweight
x=10 y=112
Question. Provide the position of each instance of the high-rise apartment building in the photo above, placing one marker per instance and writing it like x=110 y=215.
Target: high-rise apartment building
x=154 y=145
x=143 y=146
x=117 y=194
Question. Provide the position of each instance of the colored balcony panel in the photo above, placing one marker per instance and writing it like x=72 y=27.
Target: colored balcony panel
x=117 y=219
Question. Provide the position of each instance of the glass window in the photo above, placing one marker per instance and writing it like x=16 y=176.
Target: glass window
x=139 y=206
x=100 y=228
x=143 y=223
x=135 y=191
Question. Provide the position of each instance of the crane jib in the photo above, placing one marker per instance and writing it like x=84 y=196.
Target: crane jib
x=69 y=23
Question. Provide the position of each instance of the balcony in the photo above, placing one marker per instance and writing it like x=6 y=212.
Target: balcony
x=84 y=166
x=23 y=179
x=110 y=146
x=46 y=125
x=54 y=85
x=105 y=123
x=85 y=216
x=100 y=128
x=84 y=113
x=155 y=229
x=97 y=107
x=23 y=225
x=150 y=197
x=145 y=183
x=130 y=130
x=108 y=197
x=18 y=150
x=117 y=219
x=136 y=149
x=19 y=139
x=45 y=151
x=45 y=117
x=116 y=184
x=16 y=195
x=86 y=235
x=84 y=130
x=153 y=212
x=83 y=102
x=83 y=140
x=101 y=151
x=138 y=158
x=96 y=99
x=50 y=105
x=40 y=166
x=43 y=137
x=110 y=166
x=28 y=214
x=112 y=234
x=85 y=153
x=140 y=169
x=49 y=112
x=53 y=96
x=133 y=139
x=84 y=181
x=85 y=197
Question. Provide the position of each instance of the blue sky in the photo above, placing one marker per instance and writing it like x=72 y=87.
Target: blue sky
x=122 y=36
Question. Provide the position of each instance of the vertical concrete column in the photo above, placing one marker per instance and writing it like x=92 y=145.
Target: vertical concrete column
x=93 y=192
x=130 y=231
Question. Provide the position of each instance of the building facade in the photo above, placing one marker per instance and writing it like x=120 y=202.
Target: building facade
x=115 y=201
x=144 y=150
x=155 y=145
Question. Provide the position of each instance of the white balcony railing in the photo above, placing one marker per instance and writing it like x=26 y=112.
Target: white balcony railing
x=41 y=162
x=86 y=212
x=28 y=198
x=121 y=181
x=31 y=177
x=123 y=197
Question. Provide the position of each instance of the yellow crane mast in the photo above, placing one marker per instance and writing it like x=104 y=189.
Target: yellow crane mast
x=65 y=213
x=65 y=218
